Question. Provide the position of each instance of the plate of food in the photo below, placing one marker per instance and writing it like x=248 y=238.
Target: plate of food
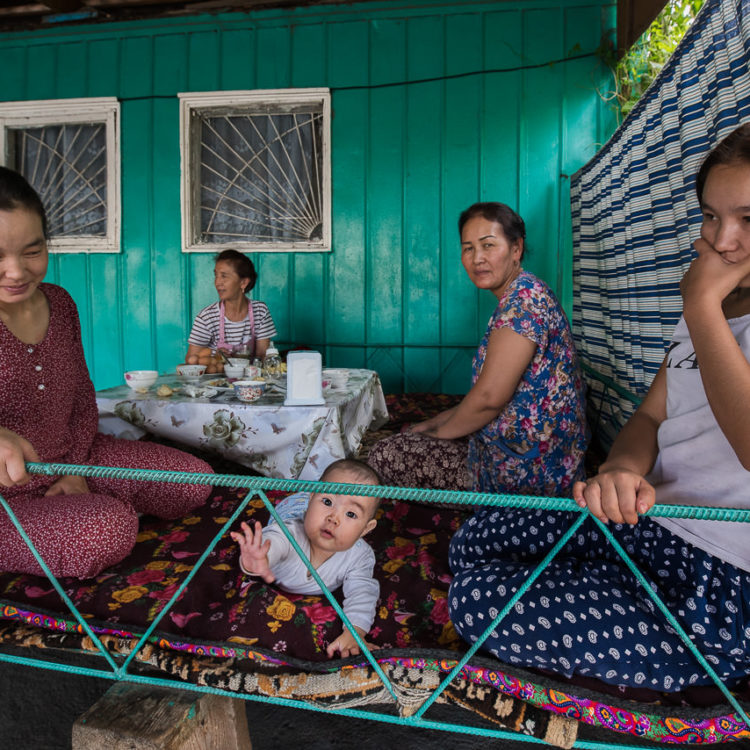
x=217 y=384
x=199 y=391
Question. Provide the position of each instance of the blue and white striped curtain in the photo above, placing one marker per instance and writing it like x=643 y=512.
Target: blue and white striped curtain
x=634 y=210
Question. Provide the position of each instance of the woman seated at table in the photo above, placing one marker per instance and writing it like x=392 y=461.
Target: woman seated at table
x=234 y=324
x=48 y=413
x=521 y=427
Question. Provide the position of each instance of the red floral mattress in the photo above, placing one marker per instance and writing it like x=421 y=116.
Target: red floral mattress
x=219 y=607
x=220 y=615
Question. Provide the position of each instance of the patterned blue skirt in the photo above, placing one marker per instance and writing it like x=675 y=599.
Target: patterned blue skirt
x=587 y=614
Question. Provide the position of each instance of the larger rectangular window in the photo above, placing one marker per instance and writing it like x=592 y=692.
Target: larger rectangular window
x=256 y=170
x=68 y=149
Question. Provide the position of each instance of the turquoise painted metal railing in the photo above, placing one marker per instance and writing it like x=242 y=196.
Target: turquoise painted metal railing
x=258 y=486
x=610 y=384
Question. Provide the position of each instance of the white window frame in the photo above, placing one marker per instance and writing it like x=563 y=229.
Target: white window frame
x=204 y=102
x=106 y=110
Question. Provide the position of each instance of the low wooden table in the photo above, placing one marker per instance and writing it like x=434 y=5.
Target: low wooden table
x=291 y=442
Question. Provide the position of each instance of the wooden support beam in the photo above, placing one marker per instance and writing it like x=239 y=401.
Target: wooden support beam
x=633 y=18
x=64 y=6
x=142 y=717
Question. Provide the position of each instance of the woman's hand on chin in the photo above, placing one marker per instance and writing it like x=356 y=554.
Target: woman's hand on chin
x=711 y=277
x=14 y=452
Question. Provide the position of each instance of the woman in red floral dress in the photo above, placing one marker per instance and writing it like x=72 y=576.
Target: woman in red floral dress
x=48 y=413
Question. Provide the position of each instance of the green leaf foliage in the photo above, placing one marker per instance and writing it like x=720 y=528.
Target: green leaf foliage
x=637 y=69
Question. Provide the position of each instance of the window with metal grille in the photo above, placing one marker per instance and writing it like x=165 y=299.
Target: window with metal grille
x=256 y=170
x=68 y=149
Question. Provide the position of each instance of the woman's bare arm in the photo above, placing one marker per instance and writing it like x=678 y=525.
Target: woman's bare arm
x=508 y=356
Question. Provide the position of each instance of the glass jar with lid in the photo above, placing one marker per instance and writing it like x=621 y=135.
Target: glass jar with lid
x=272 y=362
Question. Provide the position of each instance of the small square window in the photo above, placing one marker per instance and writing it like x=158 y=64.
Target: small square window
x=256 y=170
x=68 y=149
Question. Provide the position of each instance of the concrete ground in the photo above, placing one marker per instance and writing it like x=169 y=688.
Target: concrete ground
x=38 y=708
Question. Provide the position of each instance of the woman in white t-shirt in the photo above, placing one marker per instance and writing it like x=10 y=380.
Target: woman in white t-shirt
x=234 y=324
x=688 y=443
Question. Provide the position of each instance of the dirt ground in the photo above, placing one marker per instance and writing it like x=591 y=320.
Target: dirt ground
x=38 y=708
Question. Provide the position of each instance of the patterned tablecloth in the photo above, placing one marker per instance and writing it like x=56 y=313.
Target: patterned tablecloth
x=293 y=442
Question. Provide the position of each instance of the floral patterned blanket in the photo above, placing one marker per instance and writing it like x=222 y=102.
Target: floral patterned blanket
x=221 y=615
x=220 y=606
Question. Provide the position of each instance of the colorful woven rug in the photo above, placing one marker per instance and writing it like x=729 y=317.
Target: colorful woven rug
x=259 y=640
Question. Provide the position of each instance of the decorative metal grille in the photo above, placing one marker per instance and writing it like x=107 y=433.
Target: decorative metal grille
x=67 y=165
x=261 y=177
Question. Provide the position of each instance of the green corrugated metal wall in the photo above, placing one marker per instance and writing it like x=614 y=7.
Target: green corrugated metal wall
x=391 y=295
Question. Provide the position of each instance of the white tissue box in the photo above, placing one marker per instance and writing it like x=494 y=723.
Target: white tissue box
x=304 y=379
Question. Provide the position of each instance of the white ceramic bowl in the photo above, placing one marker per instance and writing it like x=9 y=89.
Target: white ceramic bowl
x=249 y=390
x=238 y=361
x=234 y=371
x=141 y=380
x=190 y=373
x=338 y=377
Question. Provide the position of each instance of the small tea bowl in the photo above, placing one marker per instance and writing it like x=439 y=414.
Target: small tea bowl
x=141 y=380
x=249 y=390
x=234 y=372
x=336 y=377
x=191 y=373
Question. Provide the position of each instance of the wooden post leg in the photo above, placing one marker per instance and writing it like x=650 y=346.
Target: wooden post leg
x=142 y=717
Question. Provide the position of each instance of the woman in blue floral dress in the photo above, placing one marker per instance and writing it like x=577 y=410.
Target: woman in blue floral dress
x=521 y=427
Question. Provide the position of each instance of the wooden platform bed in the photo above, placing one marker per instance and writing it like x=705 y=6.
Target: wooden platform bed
x=256 y=642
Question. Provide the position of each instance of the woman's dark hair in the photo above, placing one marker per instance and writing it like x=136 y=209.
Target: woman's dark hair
x=513 y=227
x=734 y=149
x=242 y=265
x=15 y=193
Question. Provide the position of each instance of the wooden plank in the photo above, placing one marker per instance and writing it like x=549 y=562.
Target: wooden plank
x=461 y=172
x=140 y=717
x=456 y=369
x=387 y=361
x=540 y=143
x=237 y=59
x=44 y=59
x=13 y=72
x=71 y=71
x=272 y=62
x=345 y=356
x=347 y=63
x=172 y=65
x=308 y=272
x=501 y=94
x=105 y=269
x=424 y=240
x=309 y=55
x=423 y=370
x=202 y=61
x=138 y=186
x=274 y=281
x=201 y=284
x=384 y=264
x=169 y=293
x=579 y=132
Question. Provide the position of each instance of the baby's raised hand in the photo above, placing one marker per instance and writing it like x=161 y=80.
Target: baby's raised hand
x=254 y=551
